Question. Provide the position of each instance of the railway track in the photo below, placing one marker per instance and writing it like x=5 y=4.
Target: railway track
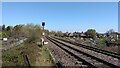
x=115 y=55
x=59 y=65
x=64 y=59
x=84 y=63
x=91 y=61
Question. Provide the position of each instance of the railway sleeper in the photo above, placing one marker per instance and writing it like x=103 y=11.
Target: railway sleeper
x=83 y=66
x=78 y=62
x=93 y=62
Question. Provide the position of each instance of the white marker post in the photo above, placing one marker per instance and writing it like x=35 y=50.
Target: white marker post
x=117 y=37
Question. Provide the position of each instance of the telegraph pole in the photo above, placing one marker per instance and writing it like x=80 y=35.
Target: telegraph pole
x=43 y=24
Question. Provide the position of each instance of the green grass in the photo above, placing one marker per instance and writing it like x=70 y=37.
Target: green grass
x=44 y=58
x=13 y=57
x=0 y=45
x=38 y=56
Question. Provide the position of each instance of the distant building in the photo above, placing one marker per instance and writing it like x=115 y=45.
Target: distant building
x=77 y=34
x=100 y=35
x=70 y=34
x=113 y=35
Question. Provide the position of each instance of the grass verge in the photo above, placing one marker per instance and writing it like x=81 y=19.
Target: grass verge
x=37 y=56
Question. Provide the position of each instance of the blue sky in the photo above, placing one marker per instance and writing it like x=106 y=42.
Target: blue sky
x=63 y=16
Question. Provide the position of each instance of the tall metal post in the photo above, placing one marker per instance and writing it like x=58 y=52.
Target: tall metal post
x=43 y=24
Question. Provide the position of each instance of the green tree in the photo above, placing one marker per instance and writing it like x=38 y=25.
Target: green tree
x=91 y=32
x=52 y=33
x=3 y=27
x=59 y=33
x=0 y=34
x=9 y=30
x=18 y=31
x=0 y=28
x=34 y=32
